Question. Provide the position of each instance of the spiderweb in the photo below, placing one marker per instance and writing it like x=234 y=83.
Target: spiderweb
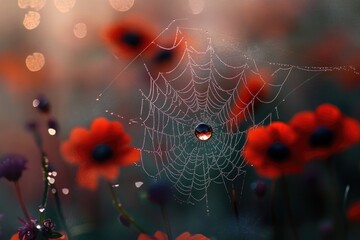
x=204 y=85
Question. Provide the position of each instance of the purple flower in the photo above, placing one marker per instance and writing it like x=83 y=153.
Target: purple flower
x=29 y=231
x=12 y=166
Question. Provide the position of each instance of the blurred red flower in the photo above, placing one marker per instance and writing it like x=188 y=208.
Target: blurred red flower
x=167 y=54
x=252 y=90
x=16 y=237
x=326 y=131
x=99 y=151
x=353 y=212
x=273 y=150
x=162 y=236
x=129 y=37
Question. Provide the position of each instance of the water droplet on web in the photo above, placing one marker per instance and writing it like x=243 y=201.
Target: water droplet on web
x=53 y=191
x=138 y=184
x=203 y=131
x=116 y=185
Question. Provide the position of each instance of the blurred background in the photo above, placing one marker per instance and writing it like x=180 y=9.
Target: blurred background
x=56 y=48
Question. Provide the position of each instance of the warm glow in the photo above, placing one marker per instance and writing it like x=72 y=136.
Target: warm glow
x=122 y=5
x=35 y=62
x=203 y=131
x=80 y=30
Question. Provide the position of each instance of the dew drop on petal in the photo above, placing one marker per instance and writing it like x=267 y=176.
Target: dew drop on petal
x=138 y=184
x=65 y=191
x=35 y=62
x=31 y=20
x=64 y=6
x=35 y=4
x=122 y=5
x=80 y=30
x=196 y=6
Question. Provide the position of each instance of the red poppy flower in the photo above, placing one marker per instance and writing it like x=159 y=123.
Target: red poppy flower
x=273 y=150
x=129 y=37
x=99 y=151
x=162 y=236
x=254 y=89
x=353 y=212
x=326 y=131
x=167 y=54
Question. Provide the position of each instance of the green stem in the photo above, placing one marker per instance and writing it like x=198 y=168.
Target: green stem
x=166 y=222
x=21 y=200
x=122 y=211
x=45 y=170
x=288 y=206
x=60 y=212
x=276 y=232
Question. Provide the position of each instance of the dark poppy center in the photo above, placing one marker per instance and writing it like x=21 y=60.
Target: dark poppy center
x=321 y=137
x=132 y=39
x=163 y=56
x=278 y=152
x=102 y=153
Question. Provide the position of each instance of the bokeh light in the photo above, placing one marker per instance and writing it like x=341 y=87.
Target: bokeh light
x=35 y=62
x=31 y=20
x=122 y=5
x=35 y=4
x=64 y=6
x=80 y=30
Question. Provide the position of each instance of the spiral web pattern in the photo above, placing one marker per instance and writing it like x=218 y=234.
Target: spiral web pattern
x=204 y=87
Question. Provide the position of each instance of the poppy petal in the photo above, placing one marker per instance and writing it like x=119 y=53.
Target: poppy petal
x=304 y=122
x=87 y=177
x=328 y=115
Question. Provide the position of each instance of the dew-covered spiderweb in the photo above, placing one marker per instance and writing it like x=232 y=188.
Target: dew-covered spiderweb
x=195 y=110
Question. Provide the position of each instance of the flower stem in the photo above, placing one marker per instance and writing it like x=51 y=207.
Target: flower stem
x=60 y=212
x=288 y=206
x=21 y=200
x=122 y=211
x=276 y=232
x=166 y=222
x=45 y=170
